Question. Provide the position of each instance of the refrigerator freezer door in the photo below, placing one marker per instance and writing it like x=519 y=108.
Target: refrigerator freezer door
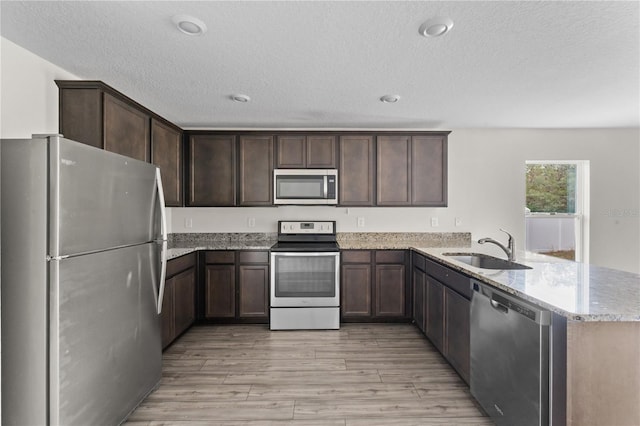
x=99 y=200
x=106 y=353
x=24 y=276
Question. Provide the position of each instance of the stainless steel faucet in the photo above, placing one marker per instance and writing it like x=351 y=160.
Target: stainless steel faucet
x=510 y=250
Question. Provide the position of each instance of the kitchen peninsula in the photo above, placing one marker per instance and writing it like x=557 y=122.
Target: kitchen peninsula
x=597 y=311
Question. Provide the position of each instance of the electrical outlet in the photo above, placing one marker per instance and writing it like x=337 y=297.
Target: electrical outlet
x=360 y=222
x=458 y=221
x=188 y=222
x=251 y=222
x=434 y=222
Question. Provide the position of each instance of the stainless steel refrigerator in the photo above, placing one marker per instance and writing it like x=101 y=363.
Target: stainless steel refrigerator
x=83 y=260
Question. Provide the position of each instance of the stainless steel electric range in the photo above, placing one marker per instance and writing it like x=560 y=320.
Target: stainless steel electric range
x=305 y=276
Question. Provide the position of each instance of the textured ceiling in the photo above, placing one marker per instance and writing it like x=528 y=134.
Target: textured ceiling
x=320 y=64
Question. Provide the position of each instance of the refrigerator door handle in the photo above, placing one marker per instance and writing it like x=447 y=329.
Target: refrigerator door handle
x=163 y=213
x=163 y=275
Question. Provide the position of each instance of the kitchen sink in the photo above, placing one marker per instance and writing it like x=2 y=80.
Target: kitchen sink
x=485 y=261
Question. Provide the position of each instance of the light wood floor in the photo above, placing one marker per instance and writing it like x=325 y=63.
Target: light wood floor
x=360 y=375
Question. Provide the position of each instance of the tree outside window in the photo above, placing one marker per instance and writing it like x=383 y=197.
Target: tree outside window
x=551 y=188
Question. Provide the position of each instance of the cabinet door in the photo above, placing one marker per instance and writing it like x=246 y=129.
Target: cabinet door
x=167 y=315
x=356 y=290
x=256 y=171
x=321 y=152
x=357 y=168
x=126 y=129
x=220 y=288
x=184 y=300
x=253 y=283
x=457 y=324
x=435 y=313
x=80 y=116
x=390 y=291
x=291 y=152
x=212 y=170
x=394 y=171
x=166 y=153
x=419 y=280
x=429 y=171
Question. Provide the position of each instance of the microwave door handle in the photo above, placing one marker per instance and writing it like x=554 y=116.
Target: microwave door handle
x=326 y=186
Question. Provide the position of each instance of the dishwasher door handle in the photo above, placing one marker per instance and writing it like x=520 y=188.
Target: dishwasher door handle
x=499 y=307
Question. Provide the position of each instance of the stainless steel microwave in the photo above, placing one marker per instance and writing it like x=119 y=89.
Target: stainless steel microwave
x=305 y=186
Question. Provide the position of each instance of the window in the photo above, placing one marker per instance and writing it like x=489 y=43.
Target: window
x=551 y=188
x=556 y=208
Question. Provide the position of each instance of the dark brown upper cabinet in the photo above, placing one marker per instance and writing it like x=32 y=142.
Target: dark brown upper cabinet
x=394 y=171
x=212 y=170
x=226 y=170
x=306 y=151
x=95 y=114
x=357 y=170
x=429 y=171
x=166 y=153
x=411 y=170
x=126 y=129
x=255 y=165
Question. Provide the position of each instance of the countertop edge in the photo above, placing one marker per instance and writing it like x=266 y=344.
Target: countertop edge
x=470 y=272
x=176 y=252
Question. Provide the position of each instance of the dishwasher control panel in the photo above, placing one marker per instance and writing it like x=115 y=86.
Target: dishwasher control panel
x=522 y=310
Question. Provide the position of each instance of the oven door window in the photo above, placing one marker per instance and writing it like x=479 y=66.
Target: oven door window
x=305 y=276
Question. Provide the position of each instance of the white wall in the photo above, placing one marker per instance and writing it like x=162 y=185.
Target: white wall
x=486 y=175
x=28 y=95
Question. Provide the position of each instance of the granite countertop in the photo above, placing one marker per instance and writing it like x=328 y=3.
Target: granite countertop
x=577 y=291
x=177 y=250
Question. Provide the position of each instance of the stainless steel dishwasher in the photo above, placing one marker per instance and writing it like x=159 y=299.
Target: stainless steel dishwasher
x=509 y=357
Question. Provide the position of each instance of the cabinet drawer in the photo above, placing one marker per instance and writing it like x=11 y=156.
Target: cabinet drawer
x=418 y=261
x=390 y=256
x=220 y=257
x=458 y=282
x=356 y=256
x=180 y=264
x=254 y=257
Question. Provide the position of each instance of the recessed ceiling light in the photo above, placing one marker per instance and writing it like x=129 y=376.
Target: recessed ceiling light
x=435 y=27
x=189 y=25
x=240 y=98
x=390 y=99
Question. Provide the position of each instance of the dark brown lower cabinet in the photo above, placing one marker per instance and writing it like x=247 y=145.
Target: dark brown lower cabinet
x=220 y=291
x=445 y=309
x=374 y=285
x=390 y=291
x=435 y=313
x=237 y=286
x=356 y=291
x=178 y=304
x=419 y=288
x=456 y=345
x=253 y=291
